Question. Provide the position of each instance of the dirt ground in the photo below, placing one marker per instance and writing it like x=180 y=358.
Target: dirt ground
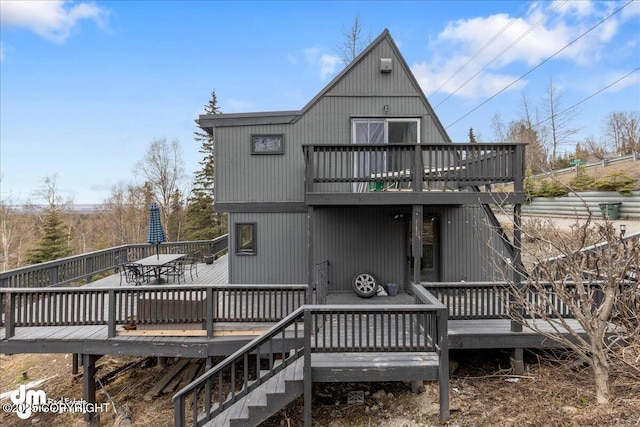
x=483 y=393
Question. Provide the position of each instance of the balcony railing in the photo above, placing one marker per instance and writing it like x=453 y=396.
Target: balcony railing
x=74 y=269
x=362 y=168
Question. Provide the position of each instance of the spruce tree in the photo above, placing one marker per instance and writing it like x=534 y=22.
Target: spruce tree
x=54 y=243
x=472 y=136
x=203 y=222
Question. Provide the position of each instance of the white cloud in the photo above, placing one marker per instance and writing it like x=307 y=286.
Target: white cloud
x=325 y=63
x=523 y=42
x=328 y=65
x=51 y=19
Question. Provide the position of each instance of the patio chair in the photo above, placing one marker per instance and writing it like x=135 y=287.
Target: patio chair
x=176 y=270
x=191 y=263
x=136 y=273
x=120 y=267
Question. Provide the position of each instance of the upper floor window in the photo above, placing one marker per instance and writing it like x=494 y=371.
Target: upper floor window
x=385 y=131
x=246 y=238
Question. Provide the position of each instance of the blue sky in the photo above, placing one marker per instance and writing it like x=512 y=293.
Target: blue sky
x=87 y=86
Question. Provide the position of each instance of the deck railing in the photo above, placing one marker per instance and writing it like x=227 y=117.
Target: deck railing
x=327 y=328
x=321 y=282
x=487 y=300
x=114 y=306
x=363 y=168
x=73 y=270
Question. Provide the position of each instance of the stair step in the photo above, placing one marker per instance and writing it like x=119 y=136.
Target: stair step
x=262 y=402
x=299 y=370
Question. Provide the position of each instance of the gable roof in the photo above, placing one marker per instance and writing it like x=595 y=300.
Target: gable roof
x=284 y=117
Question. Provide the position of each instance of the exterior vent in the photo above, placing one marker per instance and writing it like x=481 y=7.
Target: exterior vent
x=386 y=65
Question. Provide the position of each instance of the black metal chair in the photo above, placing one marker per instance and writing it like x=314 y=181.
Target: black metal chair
x=120 y=267
x=175 y=270
x=136 y=273
x=191 y=263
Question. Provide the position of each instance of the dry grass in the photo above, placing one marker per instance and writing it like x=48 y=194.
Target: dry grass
x=551 y=393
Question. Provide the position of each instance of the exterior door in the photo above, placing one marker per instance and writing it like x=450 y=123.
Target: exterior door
x=430 y=261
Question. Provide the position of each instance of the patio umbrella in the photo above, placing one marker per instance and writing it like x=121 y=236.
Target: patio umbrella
x=155 y=233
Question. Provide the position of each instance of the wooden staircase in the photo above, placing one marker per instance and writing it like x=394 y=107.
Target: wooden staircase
x=265 y=401
x=321 y=343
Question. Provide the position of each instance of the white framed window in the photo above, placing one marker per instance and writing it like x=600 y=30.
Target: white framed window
x=385 y=131
x=382 y=131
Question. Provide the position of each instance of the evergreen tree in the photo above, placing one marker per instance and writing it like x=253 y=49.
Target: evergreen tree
x=203 y=222
x=176 y=220
x=472 y=137
x=54 y=243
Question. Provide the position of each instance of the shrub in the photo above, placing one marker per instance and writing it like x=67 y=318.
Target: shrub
x=551 y=189
x=616 y=181
x=582 y=181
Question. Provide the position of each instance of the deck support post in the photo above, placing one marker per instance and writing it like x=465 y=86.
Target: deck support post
x=516 y=266
x=311 y=291
x=89 y=387
x=517 y=361
x=208 y=387
x=308 y=376
x=74 y=364
x=416 y=242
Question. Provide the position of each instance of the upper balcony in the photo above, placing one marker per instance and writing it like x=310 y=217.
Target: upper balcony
x=449 y=174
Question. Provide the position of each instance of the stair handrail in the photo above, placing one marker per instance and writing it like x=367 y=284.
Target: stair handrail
x=302 y=348
x=241 y=354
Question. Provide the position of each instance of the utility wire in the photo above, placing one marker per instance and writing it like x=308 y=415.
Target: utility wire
x=482 y=49
x=541 y=63
x=589 y=97
x=515 y=42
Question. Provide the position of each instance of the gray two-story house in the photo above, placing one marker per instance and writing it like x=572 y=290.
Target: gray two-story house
x=364 y=179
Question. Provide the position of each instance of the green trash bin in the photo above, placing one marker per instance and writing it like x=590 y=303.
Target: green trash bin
x=609 y=210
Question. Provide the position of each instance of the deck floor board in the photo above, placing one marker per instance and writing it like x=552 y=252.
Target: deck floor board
x=477 y=333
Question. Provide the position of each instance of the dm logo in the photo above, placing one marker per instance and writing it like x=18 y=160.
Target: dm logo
x=25 y=400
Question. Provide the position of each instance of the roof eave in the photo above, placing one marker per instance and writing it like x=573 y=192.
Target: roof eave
x=210 y=121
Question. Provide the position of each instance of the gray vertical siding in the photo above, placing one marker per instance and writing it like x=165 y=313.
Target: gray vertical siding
x=360 y=239
x=281 y=253
x=369 y=239
x=353 y=239
x=470 y=250
x=242 y=177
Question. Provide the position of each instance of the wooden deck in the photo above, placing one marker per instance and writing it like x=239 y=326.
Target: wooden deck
x=229 y=336
x=208 y=274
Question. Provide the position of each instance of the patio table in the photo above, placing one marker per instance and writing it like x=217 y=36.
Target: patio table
x=158 y=262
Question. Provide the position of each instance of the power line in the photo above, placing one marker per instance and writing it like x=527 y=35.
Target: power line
x=541 y=63
x=589 y=97
x=515 y=42
x=482 y=49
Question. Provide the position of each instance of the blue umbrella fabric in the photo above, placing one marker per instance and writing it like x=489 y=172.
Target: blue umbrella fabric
x=155 y=233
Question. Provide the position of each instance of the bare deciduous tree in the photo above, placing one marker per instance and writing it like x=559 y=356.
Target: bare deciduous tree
x=123 y=216
x=585 y=298
x=559 y=119
x=353 y=42
x=16 y=233
x=622 y=132
x=163 y=170
x=593 y=149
